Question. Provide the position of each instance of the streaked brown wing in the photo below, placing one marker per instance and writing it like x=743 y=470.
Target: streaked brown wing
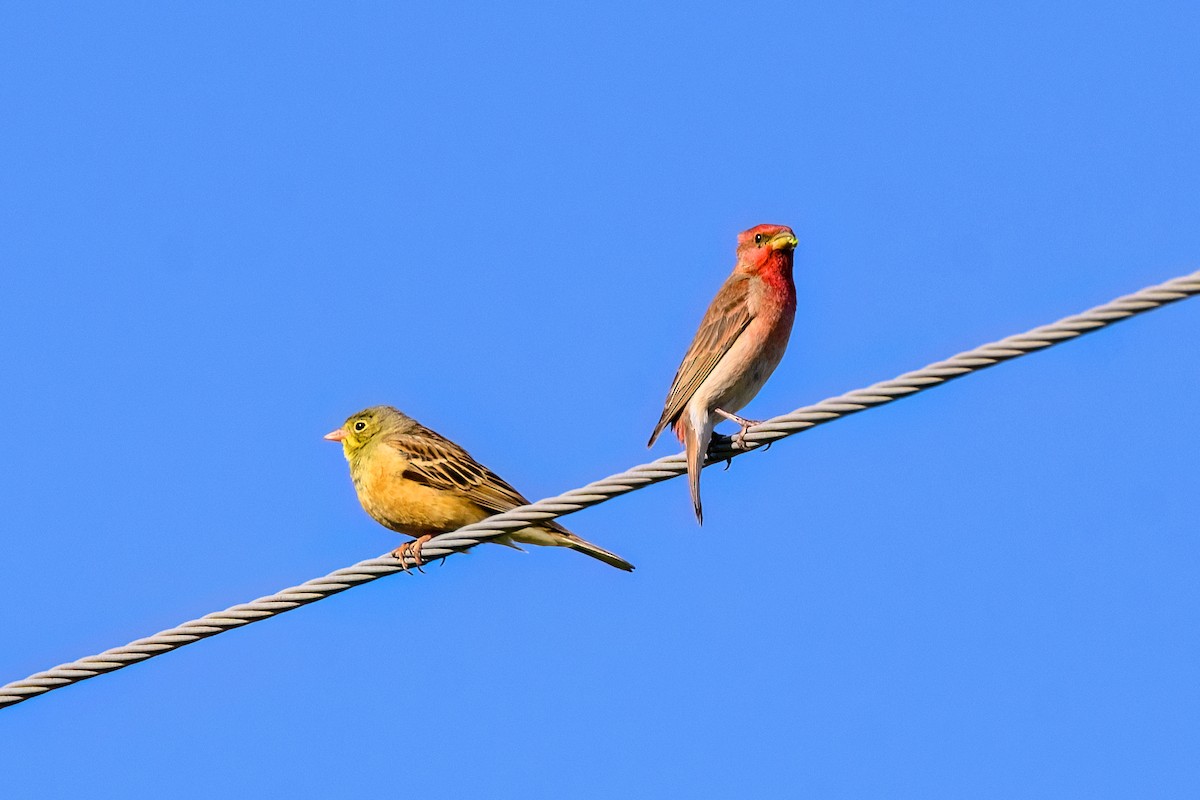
x=438 y=462
x=726 y=318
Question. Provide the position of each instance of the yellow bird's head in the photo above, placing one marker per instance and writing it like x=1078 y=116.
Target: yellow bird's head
x=366 y=427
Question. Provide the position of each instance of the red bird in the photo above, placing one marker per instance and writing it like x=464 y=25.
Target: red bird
x=740 y=342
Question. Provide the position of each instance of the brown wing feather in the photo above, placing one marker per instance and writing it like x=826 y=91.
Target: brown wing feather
x=726 y=318
x=438 y=462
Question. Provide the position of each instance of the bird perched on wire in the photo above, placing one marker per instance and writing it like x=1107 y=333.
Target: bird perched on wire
x=416 y=481
x=740 y=342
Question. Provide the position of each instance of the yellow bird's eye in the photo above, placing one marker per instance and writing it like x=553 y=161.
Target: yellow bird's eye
x=758 y=238
x=360 y=426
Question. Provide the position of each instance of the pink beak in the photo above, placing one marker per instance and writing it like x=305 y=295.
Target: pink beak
x=336 y=436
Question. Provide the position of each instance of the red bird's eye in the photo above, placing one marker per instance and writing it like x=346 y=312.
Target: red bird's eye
x=758 y=238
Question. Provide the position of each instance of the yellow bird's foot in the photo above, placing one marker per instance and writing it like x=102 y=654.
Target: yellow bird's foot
x=412 y=549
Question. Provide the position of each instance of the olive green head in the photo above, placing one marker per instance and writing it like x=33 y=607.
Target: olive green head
x=368 y=426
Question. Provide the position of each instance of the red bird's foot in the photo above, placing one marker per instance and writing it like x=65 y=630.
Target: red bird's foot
x=412 y=549
x=718 y=441
x=739 y=438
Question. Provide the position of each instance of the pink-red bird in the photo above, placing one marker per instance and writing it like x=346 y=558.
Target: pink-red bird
x=740 y=342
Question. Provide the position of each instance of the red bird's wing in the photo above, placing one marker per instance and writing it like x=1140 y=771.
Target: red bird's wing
x=726 y=318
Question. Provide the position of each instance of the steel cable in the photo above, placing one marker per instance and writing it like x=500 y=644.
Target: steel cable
x=605 y=489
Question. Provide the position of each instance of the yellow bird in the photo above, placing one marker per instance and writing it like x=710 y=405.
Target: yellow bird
x=416 y=481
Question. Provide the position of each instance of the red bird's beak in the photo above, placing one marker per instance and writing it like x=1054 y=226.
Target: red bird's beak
x=784 y=241
x=336 y=436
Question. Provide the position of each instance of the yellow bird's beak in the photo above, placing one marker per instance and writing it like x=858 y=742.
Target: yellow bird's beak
x=336 y=436
x=784 y=241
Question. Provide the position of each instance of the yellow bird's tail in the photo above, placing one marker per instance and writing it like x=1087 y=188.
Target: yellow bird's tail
x=558 y=536
x=598 y=553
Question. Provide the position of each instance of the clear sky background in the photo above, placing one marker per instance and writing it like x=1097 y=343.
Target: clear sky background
x=226 y=227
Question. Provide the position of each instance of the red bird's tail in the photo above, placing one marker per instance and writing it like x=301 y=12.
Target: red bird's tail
x=696 y=434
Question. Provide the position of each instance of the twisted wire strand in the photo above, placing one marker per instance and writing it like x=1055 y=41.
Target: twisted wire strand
x=605 y=489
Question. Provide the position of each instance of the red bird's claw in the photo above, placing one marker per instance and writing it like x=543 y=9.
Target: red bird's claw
x=717 y=441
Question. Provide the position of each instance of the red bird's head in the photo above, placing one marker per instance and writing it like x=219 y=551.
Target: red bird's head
x=766 y=248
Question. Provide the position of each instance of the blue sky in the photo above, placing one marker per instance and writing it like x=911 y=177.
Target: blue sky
x=225 y=228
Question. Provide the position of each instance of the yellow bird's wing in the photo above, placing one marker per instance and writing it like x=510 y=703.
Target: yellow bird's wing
x=435 y=461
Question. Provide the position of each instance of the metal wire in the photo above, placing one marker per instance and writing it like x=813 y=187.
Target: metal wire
x=613 y=486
